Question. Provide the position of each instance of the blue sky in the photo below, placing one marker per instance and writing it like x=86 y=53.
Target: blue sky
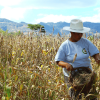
x=35 y=11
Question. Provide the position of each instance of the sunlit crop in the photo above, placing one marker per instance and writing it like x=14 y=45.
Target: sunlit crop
x=28 y=70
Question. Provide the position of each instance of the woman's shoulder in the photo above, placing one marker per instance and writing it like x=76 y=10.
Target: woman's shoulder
x=65 y=42
x=85 y=40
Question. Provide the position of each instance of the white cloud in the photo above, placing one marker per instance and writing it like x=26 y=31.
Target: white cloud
x=15 y=9
x=55 y=18
x=60 y=4
x=97 y=9
x=95 y=18
x=10 y=2
x=50 y=4
x=58 y=18
x=12 y=13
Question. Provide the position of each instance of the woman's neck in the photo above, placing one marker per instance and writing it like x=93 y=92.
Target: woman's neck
x=72 y=40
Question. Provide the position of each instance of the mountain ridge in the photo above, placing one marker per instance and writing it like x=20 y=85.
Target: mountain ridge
x=50 y=27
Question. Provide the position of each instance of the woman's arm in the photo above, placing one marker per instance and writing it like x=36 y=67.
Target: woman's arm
x=65 y=65
x=97 y=58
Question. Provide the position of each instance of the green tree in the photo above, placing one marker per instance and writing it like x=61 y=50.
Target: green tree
x=36 y=27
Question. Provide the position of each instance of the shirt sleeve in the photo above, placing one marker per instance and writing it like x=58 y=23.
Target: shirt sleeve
x=60 y=56
x=92 y=49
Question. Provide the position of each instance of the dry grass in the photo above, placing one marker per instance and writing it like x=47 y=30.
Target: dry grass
x=28 y=70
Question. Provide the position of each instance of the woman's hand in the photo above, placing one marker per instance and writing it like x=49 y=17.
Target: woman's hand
x=97 y=58
x=69 y=67
x=98 y=61
x=65 y=65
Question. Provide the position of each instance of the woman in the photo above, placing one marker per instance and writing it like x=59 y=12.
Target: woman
x=76 y=45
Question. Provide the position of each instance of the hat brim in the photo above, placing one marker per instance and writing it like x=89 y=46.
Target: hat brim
x=84 y=30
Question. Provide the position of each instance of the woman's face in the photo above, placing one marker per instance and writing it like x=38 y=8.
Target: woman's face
x=76 y=36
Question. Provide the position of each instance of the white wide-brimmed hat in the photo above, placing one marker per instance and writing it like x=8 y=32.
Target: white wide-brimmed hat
x=76 y=25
